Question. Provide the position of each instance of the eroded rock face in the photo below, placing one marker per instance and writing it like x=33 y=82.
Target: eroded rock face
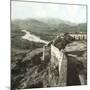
x=77 y=63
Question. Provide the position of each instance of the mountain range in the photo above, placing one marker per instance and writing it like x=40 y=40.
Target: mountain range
x=51 y=25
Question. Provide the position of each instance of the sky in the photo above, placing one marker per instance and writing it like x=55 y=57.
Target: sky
x=24 y=10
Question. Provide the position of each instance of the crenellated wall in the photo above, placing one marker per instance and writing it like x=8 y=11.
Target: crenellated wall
x=79 y=36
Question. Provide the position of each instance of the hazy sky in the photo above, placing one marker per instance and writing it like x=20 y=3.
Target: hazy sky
x=23 y=10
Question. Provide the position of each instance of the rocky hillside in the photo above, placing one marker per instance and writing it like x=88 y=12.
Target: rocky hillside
x=30 y=71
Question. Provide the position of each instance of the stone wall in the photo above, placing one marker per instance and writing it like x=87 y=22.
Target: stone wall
x=79 y=36
x=58 y=69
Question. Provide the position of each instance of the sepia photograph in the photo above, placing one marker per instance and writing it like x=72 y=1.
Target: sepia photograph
x=48 y=44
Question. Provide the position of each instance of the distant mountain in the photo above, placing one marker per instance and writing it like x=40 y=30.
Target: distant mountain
x=55 y=21
x=51 y=25
x=77 y=28
x=32 y=25
x=83 y=27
